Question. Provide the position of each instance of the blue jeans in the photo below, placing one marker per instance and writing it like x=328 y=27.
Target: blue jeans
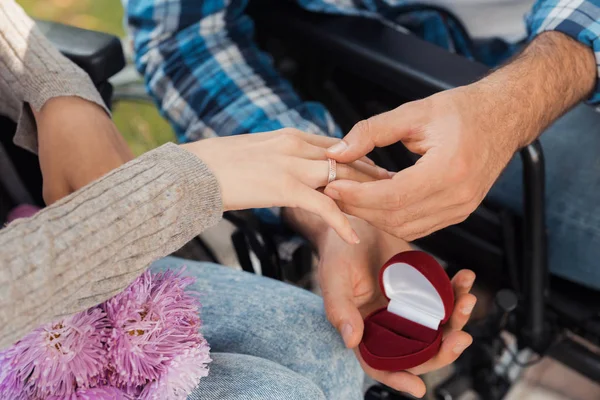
x=571 y=148
x=268 y=339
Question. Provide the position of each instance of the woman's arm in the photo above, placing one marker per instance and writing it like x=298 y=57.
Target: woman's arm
x=32 y=71
x=92 y=244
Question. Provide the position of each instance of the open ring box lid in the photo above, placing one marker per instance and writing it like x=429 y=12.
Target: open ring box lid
x=409 y=331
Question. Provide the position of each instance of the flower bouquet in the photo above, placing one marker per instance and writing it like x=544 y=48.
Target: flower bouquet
x=144 y=343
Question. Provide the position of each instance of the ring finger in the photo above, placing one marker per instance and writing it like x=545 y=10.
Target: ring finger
x=316 y=173
x=313 y=152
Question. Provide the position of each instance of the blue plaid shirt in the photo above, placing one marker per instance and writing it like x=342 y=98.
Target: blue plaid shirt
x=209 y=78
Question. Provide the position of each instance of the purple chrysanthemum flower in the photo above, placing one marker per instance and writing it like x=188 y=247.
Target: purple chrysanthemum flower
x=11 y=386
x=182 y=375
x=97 y=393
x=59 y=357
x=153 y=321
x=142 y=344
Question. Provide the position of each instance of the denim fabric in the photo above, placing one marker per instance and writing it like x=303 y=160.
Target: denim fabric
x=572 y=195
x=240 y=376
x=269 y=340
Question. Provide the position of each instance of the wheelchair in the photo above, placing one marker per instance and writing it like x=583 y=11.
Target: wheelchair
x=359 y=67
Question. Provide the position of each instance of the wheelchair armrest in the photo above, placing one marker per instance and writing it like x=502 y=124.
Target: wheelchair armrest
x=97 y=53
x=369 y=47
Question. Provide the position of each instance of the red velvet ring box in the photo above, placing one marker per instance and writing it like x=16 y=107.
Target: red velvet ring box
x=409 y=331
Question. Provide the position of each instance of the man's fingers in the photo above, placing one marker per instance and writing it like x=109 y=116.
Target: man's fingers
x=452 y=347
x=359 y=171
x=455 y=340
x=367 y=160
x=401 y=381
x=370 y=169
x=409 y=186
x=378 y=131
x=462 y=282
x=406 y=220
x=407 y=381
x=463 y=307
x=343 y=314
x=464 y=302
x=387 y=221
x=340 y=308
x=348 y=172
x=404 y=225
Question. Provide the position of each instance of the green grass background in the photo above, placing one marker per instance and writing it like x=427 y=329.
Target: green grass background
x=140 y=124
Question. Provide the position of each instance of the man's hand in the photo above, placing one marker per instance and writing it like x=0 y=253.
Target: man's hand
x=78 y=143
x=465 y=136
x=348 y=278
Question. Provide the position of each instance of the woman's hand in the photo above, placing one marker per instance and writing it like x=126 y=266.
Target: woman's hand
x=281 y=168
x=78 y=143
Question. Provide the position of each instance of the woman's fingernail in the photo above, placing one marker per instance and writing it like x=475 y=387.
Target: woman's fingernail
x=391 y=174
x=355 y=238
x=338 y=148
x=466 y=310
x=459 y=347
x=334 y=194
x=347 y=333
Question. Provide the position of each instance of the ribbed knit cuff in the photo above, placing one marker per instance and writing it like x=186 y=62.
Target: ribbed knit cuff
x=205 y=202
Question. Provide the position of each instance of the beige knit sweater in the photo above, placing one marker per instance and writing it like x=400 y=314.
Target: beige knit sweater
x=92 y=244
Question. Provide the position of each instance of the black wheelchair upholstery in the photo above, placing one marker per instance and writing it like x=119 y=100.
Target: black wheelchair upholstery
x=400 y=59
x=360 y=66
x=97 y=53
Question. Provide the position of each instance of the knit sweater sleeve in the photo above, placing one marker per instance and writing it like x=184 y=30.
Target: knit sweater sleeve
x=32 y=71
x=89 y=246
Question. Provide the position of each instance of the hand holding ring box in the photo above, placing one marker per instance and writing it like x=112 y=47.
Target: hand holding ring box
x=409 y=331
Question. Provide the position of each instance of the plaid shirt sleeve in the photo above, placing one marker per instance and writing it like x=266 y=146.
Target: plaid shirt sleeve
x=579 y=19
x=207 y=75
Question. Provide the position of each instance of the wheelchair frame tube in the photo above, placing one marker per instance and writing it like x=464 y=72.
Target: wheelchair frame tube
x=535 y=259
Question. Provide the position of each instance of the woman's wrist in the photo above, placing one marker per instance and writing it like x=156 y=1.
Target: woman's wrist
x=77 y=143
x=69 y=107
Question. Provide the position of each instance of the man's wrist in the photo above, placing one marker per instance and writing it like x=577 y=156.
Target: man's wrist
x=549 y=77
